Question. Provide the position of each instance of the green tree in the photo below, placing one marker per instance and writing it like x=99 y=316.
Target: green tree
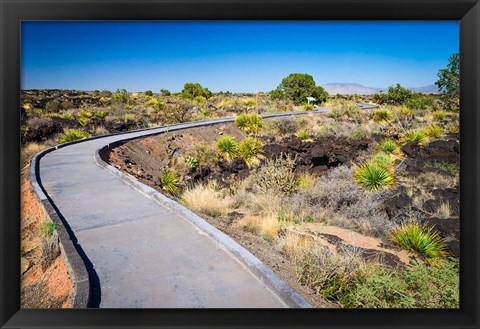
x=449 y=82
x=192 y=90
x=396 y=95
x=299 y=86
x=165 y=92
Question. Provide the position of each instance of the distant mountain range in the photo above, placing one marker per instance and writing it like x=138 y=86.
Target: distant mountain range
x=348 y=88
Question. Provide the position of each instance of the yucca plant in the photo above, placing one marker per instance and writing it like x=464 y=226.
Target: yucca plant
x=383 y=159
x=382 y=116
x=433 y=131
x=72 y=135
x=303 y=135
x=420 y=239
x=228 y=147
x=373 y=176
x=413 y=136
x=171 y=182
x=101 y=114
x=387 y=145
x=249 y=123
x=307 y=107
x=251 y=150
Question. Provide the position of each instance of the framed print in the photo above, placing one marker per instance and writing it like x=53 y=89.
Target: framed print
x=198 y=163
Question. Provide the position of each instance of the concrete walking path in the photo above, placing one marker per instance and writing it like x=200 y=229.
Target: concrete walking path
x=144 y=254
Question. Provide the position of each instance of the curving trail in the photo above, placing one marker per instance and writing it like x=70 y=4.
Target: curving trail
x=144 y=250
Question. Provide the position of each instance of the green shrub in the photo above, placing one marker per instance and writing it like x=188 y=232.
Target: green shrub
x=419 y=102
x=165 y=92
x=101 y=114
x=171 y=182
x=373 y=176
x=192 y=162
x=72 y=135
x=382 y=159
x=66 y=116
x=160 y=105
x=228 y=147
x=413 y=136
x=433 y=131
x=438 y=115
x=249 y=123
x=420 y=286
x=308 y=107
x=382 y=116
x=297 y=87
x=149 y=93
x=396 y=95
x=121 y=95
x=200 y=99
x=277 y=177
x=47 y=229
x=303 y=135
x=192 y=90
x=151 y=102
x=420 y=239
x=387 y=145
x=251 y=150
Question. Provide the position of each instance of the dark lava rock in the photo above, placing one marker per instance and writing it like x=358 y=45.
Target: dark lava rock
x=40 y=129
x=449 y=195
x=397 y=203
x=201 y=172
x=444 y=227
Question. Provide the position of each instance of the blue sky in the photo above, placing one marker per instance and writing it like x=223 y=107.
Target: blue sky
x=236 y=56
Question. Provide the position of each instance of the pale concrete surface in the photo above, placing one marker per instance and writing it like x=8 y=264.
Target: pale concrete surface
x=143 y=254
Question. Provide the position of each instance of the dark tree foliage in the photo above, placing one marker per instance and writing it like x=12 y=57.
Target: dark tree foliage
x=449 y=82
x=297 y=87
x=192 y=90
x=165 y=92
x=149 y=93
x=396 y=95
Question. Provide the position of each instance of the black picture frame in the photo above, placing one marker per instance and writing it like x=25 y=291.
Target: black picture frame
x=467 y=12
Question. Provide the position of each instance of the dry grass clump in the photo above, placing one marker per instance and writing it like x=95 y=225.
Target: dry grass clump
x=29 y=150
x=205 y=200
x=435 y=180
x=443 y=211
x=266 y=226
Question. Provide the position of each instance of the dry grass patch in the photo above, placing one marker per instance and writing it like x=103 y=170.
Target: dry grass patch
x=204 y=200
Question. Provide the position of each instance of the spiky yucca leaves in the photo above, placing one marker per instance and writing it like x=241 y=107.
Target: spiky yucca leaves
x=413 y=135
x=228 y=147
x=72 y=135
x=420 y=239
x=433 y=131
x=382 y=116
x=383 y=159
x=251 y=150
x=249 y=123
x=373 y=176
x=303 y=135
x=387 y=145
x=171 y=182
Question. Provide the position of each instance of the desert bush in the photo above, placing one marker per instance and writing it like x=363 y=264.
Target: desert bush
x=66 y=116
x=383 y=159
x=388 y=146
x=382 y=116
x=148 y=93
x=438 y=115
x=308 y=107
x=417 y=287
x=373 y=176
x=419 y=101
x=206 y=154
x=413 y=136
x=420 y=239
x=165 y=92
x=433 y=131
x=192 y=162
x=396 y=95
x=306 y=181
x=28 y=151
x=205 y=200
x=151 y=102
x=284 y=126
x=303 y=135
x=72 y=135
x=443 y=211
x=49 y=244
x=251 y=150
x=227 y=147
x=101 y=114
x=276 y=176
x=171 y=182
x=121 y=96
x=249 y=123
